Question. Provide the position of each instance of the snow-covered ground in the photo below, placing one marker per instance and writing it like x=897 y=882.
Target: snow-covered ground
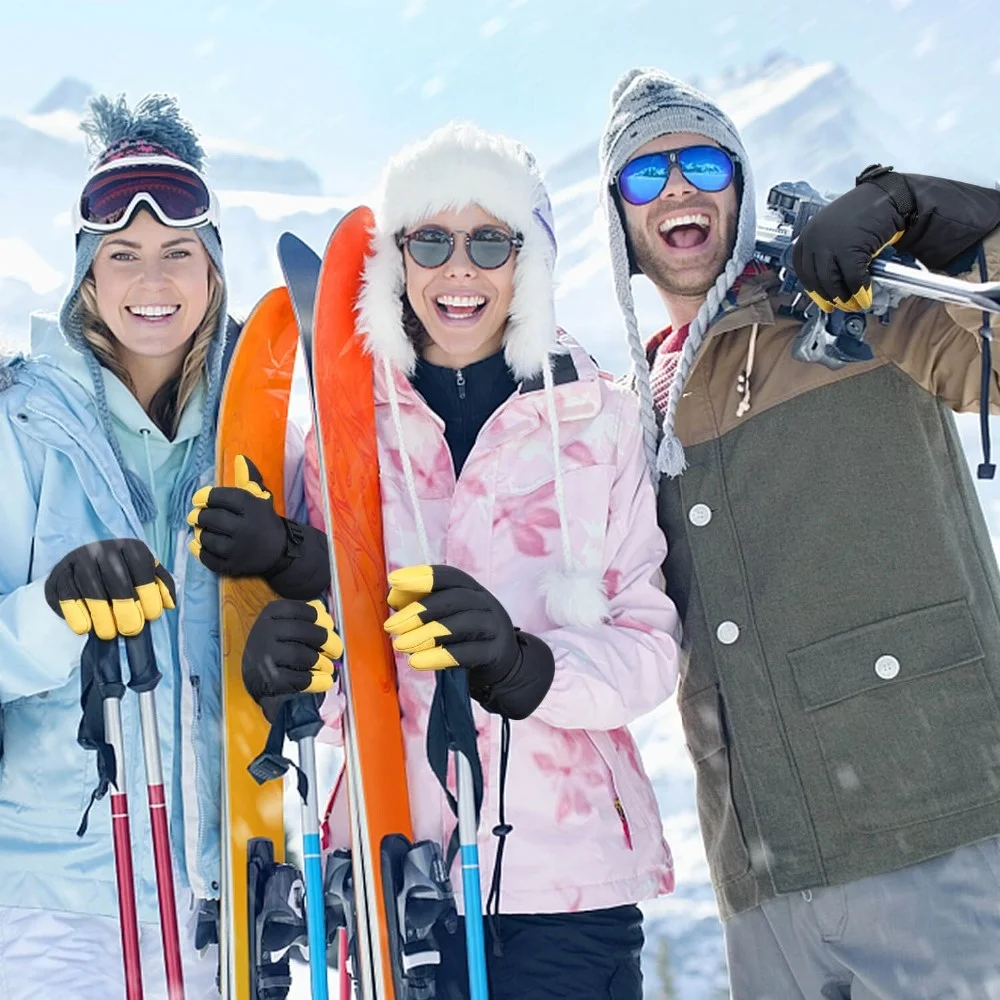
x=798 y=121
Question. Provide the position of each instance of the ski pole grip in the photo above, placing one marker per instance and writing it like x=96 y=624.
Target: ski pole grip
x=303 y=717
x=107 y=665
x=142 y=662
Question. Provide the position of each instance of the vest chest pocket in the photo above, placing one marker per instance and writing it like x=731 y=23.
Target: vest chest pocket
x=906 y=719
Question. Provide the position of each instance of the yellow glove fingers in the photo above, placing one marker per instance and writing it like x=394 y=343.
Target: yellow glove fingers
x=437 y=658
x=77 y=616
x=103 y=618
x=151 y=599
x=248 y=478
x=422 y=638
x=405 y=620
x=200 y=500
x=415 y=579
x=129 y=616
x=399 y=599
x=334 y=645
x=320 y=682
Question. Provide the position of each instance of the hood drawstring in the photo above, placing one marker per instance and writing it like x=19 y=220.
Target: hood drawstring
x=500 y=831
x=743 y=380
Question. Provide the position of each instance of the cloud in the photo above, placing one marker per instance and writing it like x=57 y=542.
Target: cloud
x=492 y=27
x=927 y=42
x=412 y=9
x=946 y=122
x=432 y=87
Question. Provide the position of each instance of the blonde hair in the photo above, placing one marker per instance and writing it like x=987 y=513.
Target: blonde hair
x=168 y=404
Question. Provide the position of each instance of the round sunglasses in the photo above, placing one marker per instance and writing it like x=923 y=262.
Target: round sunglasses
x=487 y=246
x=708 y=168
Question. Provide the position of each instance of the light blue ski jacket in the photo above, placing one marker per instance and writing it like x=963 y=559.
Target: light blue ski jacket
x=61 y=487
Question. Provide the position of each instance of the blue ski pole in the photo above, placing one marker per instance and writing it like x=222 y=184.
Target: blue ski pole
x=304 y=724
x=468 y=831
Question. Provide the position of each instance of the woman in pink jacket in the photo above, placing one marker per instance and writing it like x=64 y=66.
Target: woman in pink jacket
x=521 y=541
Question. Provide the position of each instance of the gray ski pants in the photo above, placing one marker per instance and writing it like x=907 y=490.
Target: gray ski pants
x=927 y=932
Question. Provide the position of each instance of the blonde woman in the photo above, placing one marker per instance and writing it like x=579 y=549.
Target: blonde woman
x=105 y=434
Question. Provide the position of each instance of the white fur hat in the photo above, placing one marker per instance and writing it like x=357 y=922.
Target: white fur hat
x=455 y=166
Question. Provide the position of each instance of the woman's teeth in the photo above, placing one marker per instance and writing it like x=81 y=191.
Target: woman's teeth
x=153 y=312
x=460 y=306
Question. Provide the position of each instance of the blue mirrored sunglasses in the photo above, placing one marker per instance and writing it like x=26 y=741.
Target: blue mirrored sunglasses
x=708 y=168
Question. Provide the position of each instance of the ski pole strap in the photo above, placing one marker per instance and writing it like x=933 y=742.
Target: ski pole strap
x=144 y=674
x=100 y=678
x=451 y=727
x=501 y=832
x=987 y=469
x=298 y=717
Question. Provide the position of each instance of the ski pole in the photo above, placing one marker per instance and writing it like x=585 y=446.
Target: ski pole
x=927 y=284
x=144 y=678
x=303 y=724
x=468 y=840
x=109 y=678
x=342 y=973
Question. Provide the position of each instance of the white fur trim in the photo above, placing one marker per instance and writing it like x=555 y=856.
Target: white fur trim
x=575 y=598
x=456 y=166
x=380 y=306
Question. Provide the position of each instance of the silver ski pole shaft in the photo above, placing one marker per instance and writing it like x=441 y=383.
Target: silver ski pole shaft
x=942 y=288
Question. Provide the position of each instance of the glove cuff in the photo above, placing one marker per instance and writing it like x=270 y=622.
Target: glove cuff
x=895 y=186
x=303 y=571
x=520 y=690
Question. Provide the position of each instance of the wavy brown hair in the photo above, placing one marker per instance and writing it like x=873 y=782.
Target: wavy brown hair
x=167 y=406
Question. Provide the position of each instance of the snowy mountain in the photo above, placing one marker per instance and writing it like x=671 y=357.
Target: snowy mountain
x=798 y=120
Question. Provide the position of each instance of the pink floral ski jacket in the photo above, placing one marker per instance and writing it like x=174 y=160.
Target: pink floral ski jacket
x=586 y=827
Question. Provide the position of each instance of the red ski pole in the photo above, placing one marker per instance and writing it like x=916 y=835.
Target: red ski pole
x=109 y=677
x=144 y=678
x=344 y=976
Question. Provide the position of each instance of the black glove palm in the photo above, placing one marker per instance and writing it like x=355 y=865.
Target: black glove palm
x=449 y=620
x=110 y=587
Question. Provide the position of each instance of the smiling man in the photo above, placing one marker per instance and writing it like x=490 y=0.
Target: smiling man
x=828 y=556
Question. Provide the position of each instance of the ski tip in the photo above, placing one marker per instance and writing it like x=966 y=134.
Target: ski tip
x=290 y=245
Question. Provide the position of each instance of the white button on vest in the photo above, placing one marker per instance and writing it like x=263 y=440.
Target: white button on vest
x=887 y=667
x=700 y=514
x=727 y=633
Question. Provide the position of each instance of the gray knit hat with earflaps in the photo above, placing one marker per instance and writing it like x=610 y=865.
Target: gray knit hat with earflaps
x=645 y=104
x=153 y=128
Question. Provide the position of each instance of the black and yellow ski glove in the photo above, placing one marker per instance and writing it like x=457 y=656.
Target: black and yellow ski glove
x=930 y=218
x=446 y=619
x=238 y=533
x=290 y=649
x=110 y=587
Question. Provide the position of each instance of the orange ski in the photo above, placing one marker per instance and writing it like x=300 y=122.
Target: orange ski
x=376 y=774
x=252 y=420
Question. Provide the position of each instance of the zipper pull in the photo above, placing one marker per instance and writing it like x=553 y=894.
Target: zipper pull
x=460 y=382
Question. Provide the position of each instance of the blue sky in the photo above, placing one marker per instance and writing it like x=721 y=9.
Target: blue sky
x=342 y=83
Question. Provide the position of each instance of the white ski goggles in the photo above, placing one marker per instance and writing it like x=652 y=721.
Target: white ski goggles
x=172 y=190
